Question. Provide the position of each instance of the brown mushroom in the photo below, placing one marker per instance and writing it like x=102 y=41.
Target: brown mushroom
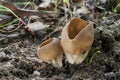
x=76 y=39
x=50 y=51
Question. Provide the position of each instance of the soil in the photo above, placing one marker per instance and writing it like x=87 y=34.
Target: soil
x=19 y=61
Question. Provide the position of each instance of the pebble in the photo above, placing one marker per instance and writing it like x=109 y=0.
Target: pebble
x=36 y=73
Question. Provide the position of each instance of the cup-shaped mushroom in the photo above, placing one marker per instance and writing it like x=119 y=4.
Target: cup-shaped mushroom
x=50 y=51
x=76 y=39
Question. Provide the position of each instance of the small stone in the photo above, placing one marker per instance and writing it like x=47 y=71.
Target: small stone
x=36 y=73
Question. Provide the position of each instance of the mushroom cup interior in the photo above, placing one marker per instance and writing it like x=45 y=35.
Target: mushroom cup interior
x=46 y=42
x=75 y=26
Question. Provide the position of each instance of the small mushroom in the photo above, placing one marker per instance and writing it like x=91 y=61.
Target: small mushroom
x=76 y=39
x=50 y=51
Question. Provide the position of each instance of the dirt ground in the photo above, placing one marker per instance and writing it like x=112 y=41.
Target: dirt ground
x=19 y=61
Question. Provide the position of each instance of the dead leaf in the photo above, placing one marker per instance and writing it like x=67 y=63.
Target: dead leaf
x=47 y=5
x=20 y=12
x=82 y=10
x=37 y=26
x=4 y=17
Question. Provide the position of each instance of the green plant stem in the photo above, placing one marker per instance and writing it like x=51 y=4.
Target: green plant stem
x=2 y=26
x=3 y=8
x=97 y=52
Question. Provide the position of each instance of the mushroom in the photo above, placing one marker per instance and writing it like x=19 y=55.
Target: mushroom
x=76 y=39
x=50 y=51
